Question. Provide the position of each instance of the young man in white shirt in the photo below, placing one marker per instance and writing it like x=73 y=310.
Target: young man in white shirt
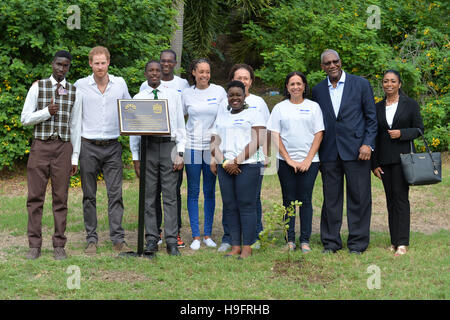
x=168 y=61
x=101 y=152
x=164 y=161
x=53 y=107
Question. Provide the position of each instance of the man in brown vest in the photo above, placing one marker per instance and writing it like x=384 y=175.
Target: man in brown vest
x=53 y=106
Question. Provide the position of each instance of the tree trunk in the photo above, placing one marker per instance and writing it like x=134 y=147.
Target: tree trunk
x=177 y=39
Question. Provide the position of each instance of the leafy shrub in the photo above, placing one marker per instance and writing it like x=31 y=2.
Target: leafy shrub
x=32 y=31
x=276 y=221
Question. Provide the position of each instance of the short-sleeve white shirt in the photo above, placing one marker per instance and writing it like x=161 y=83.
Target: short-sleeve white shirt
x=258 y=103
x=201 y=107
x=297 y=124
x=235 y=132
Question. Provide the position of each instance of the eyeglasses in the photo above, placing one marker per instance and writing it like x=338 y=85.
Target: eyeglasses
x=335 y=62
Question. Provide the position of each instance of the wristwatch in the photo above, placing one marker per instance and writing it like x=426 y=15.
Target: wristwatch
x=181 y=154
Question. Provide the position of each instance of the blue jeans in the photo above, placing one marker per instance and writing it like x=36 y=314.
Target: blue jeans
x=298 y=186
x=197 y=161
x=259 y=227
x=239 y=202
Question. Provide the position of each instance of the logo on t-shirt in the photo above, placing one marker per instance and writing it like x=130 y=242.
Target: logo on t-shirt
x=303 y=110
x=212 y=101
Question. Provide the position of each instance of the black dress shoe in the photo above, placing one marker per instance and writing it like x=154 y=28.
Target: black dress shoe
x=151 y=247
x=172 y=249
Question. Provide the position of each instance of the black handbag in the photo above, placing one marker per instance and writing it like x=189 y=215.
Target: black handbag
x=421 y=168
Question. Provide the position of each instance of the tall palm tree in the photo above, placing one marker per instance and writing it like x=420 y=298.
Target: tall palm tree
x=177 y=40
x=205 y=19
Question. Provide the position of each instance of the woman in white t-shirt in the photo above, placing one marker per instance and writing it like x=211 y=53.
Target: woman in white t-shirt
x=234 y=144
x=296 y=126
x=200 y=104
x=244 y=73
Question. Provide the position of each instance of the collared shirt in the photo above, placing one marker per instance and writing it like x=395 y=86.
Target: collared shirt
x=336 y=93
x=31 y=116
x=177 y=127
x=100 y=112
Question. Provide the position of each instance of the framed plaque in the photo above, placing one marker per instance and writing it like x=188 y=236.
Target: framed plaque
x=143 y=117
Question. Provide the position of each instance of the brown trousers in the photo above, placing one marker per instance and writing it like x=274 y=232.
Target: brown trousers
x=48 y=159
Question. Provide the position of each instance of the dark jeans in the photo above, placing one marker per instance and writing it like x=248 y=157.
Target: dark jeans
x=239 y=205
x=259 y=226
x=397 y=201
x=298 y=186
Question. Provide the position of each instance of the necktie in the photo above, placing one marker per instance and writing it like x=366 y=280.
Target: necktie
x=155 y=92
x=58 y=85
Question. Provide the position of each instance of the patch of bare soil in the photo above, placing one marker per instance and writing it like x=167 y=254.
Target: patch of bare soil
x=302 y=270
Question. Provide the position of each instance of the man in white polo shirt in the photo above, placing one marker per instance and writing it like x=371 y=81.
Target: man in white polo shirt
x=168 y=61
x=101 y=152
x=164 y=161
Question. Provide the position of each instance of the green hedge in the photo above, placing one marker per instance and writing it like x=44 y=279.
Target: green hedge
x=412 y=39
x=32 y=31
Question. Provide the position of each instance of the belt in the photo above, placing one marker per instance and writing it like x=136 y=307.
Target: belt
x=100 y=142
x=50 y=138
x=157 y=139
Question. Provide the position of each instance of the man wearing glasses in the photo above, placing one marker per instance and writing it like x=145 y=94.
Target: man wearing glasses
x=349 y=114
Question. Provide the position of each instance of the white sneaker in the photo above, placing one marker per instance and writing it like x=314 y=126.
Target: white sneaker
x=209 y=243
x=224 y=247
x=195 y=245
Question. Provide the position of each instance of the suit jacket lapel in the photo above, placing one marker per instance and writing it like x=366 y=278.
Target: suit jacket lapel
x=346 y=92
x=382 y=114
x=399 y=111
x=326 y=93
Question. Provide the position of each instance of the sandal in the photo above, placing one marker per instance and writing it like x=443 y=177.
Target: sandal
x=291 y=246
x=305 y=247
x=392 y=248
x=401 y=250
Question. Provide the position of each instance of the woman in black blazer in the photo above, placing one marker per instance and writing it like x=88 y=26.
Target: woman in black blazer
x=398 y=119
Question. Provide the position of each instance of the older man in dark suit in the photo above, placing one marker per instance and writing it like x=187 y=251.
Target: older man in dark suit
x=349 y=115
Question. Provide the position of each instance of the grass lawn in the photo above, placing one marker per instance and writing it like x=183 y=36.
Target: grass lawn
x=270 y=274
